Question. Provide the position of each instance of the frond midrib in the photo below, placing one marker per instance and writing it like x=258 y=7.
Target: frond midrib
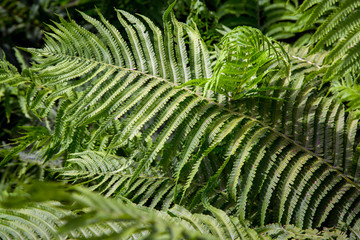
x=287 y=138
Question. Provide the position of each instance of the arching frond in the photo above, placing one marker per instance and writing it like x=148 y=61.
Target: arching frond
x=85 y=214
x=108 y=174
x=89 y=215
x=36 y=221
x=296 y=159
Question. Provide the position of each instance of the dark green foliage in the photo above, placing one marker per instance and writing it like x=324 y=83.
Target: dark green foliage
x=278 y=19
x=340 y=31
x=121 y=219
x=348 y=90
x=169 y=143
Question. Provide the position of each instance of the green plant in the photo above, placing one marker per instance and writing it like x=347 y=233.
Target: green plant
x=278 y=19
x=283 y=165
x=338 y=33
x=244 y=63
x=340 y=30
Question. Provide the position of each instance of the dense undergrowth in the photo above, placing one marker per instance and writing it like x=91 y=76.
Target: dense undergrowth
x=238 y=121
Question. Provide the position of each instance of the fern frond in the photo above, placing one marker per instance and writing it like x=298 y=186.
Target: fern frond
x=278 y=19
x=33 y=136
x=109 y=174
x=348 y=90
x=9 y=74
x=340 y=30
x=281 y=20
x=101 y=217
x=12 y=83
x=287 y=156
x=85 y=214
x=245 y=60
x=35 y=221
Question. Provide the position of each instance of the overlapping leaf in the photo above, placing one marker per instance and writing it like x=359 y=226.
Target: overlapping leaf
x=295 y=158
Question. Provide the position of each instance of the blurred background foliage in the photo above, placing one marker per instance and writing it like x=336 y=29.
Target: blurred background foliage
x=23 y=22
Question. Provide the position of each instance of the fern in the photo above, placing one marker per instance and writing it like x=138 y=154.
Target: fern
x=347 y=89
x=109 y=175
x=33 y=222
x=119 y=218
x=244 y=63
x=340 y=31
x=277 y=19
x=129 y=127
